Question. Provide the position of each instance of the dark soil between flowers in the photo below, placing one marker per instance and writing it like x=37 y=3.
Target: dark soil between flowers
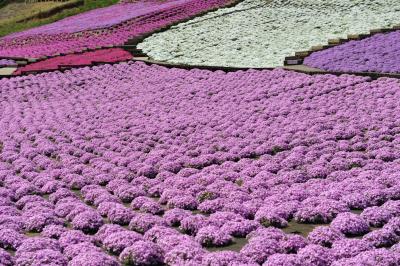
x=236 y=245
x=299 y=228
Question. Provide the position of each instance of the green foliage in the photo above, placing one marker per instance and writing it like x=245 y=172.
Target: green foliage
x=12 y=26
x=3 y=3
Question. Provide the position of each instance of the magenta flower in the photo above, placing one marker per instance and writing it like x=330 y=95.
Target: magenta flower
x=142 y=253
x=350 y=224
x=213 y=236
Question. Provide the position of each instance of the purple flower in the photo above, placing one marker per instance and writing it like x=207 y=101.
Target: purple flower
x=107 y=230
x=158 y=232
x=281 y=146
x=116 y=242
x=128 y=193
x=393 y=225
x=9 y=211
x=356 y=201
x=28 y=199
x=37 y=222
x=10 y=239
x=220 y=218
x=376 y=216
x=292 y=243
x=84 y=247
x=382 y=238
x=139 y=201
x=78 y=210
x=393 y=207
x=36 y=244
x=224 y=258
x=72 y=237
x=347 y=248
x=67 y=205
x=371 y=54
x=60 y=194
x=319 y=210
x=142 y=253
x=120 y=215
x=213 y=236
x=267 y=233
x=270 y=217
x=239 y=208
x=6 y=259
x=12 y=222
x=36 y=205
x=315 y=255
x=93 y=259
x=88 y=221
x=143 y=222
x=240 y=229
x=324 y=236
x=105 y=207
x=211 y=206
x=169 y=241
x=183 y=202
x=174 y=216
x=51 y=186
x=396 y=248
x=191 y=225
x=259 y=250
x=381 y=257
x=42 y=257
x=184 y=253
x=152 y=207
x=350 y=224
x=283 y=259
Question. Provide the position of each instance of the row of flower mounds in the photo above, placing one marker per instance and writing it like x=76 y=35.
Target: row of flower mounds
x=296 y=62
x=128 y=46
x=104 y=93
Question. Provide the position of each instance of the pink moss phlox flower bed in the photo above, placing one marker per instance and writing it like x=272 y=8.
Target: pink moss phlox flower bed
x=145 y=165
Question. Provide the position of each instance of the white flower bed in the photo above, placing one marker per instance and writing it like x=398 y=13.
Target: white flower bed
x=259 y=33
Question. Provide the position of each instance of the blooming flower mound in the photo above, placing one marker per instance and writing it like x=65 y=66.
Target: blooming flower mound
x=87 y=58
x=379 y=53
x=144 y=165
x=112 y=25
x=259 y=33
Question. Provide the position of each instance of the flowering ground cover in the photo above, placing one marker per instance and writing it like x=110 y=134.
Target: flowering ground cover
x=143 y=165
x=379 y=53
x=259 y=33
x=7 y=62
x=111 y=55
x=102 y=27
